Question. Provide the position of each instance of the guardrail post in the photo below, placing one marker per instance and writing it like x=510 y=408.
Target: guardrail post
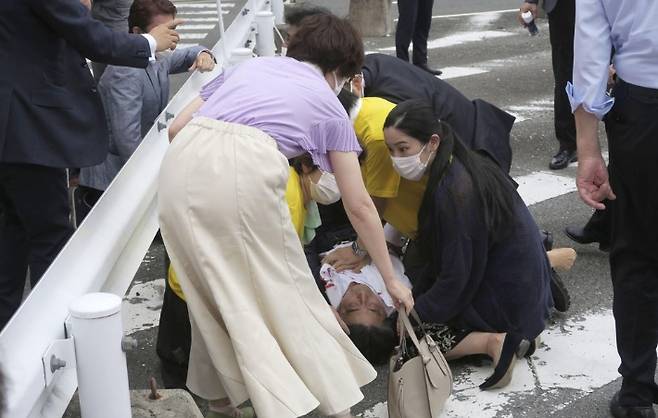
x=220 y=18
x=240 y=55
x=278 y=9
x=265 y=34
x=101 y=363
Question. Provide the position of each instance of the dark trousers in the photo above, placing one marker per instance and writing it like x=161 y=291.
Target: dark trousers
x=84 y=199
x=561 y=21
x=632 y=127
x=35 y=227
x=174 y=339
x=414 y=21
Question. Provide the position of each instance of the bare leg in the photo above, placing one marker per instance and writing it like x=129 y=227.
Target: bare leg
x=562 y=258
x=478 y=343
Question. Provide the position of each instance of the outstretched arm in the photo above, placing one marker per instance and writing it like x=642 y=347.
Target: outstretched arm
x=184 y=117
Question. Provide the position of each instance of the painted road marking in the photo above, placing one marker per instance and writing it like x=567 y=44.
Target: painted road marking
x=483 y=67
x=192 y=35
x=202 y=13
x=528 y=110
x=538 y=187
x=474 y=13
x=197 y=19
x=469 y=14
x=456 y=72
x=180 y=6
x=460 y=38
x=197 y=27
x=484 y=19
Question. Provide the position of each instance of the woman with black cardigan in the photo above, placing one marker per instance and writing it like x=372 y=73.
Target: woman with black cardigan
x=487 y=283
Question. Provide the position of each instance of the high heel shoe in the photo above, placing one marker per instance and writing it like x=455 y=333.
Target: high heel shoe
x=528 y=348
x=502 y=374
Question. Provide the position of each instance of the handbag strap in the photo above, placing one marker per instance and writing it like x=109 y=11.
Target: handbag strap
x=407 y=328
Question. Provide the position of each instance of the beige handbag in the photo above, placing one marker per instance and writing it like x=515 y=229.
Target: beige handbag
x=418 y=387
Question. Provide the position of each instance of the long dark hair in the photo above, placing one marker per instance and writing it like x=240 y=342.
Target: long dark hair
x=495 y=191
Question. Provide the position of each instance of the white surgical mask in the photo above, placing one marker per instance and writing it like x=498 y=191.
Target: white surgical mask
x=284 y=51
x=325 y=192
x=411 y=167
x=339 y=84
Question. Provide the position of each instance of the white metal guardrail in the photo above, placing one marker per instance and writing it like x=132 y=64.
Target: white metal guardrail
x=36 y=357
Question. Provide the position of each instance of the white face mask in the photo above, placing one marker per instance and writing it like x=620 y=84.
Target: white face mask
x=325 y=192
x=339 y=84
x=284 y=51
x=411 y=167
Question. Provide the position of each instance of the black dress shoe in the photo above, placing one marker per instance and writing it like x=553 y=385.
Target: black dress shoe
x=561 y=297
x=547 y=239
x=563 y=159
x=579 y=235
x=619 y=411
x=428 y=69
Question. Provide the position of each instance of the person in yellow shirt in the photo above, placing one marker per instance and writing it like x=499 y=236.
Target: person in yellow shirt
x=397 y=199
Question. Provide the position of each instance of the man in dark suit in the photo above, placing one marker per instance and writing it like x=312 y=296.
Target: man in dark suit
x=480 y=125
x=414 y=22
x=561 y=18
x=114 y=13
x=51 y=117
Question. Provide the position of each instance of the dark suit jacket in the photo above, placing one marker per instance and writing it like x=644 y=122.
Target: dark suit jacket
x=480 y=125
x=50 y=111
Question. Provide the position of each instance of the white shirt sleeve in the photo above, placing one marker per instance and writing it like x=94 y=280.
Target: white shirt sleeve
x=152 y=45
x=592 y=47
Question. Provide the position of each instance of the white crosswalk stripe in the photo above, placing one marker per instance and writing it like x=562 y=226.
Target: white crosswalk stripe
x=199 y=19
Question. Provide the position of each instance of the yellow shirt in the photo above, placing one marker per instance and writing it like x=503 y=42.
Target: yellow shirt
x=295 y=199
x=403 y=196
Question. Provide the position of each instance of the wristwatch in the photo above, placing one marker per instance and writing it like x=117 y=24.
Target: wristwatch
x=358 y=251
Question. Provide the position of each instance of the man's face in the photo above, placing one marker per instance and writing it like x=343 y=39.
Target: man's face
x=360 y=305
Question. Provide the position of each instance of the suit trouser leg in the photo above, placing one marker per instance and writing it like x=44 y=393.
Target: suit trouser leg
x=598 y=225
x=561 y=27
x=422 y=31
x=35 y=204
x=632 y=128
x=174 y=339
x=407 y=12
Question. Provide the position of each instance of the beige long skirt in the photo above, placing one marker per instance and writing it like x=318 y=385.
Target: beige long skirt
x=260 y=328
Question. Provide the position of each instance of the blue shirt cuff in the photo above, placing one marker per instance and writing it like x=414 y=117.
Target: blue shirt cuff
x=599 y=108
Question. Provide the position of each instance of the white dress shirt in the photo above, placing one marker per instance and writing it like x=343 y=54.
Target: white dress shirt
x=631 y=27
x=152 y=44
x=336 y=283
